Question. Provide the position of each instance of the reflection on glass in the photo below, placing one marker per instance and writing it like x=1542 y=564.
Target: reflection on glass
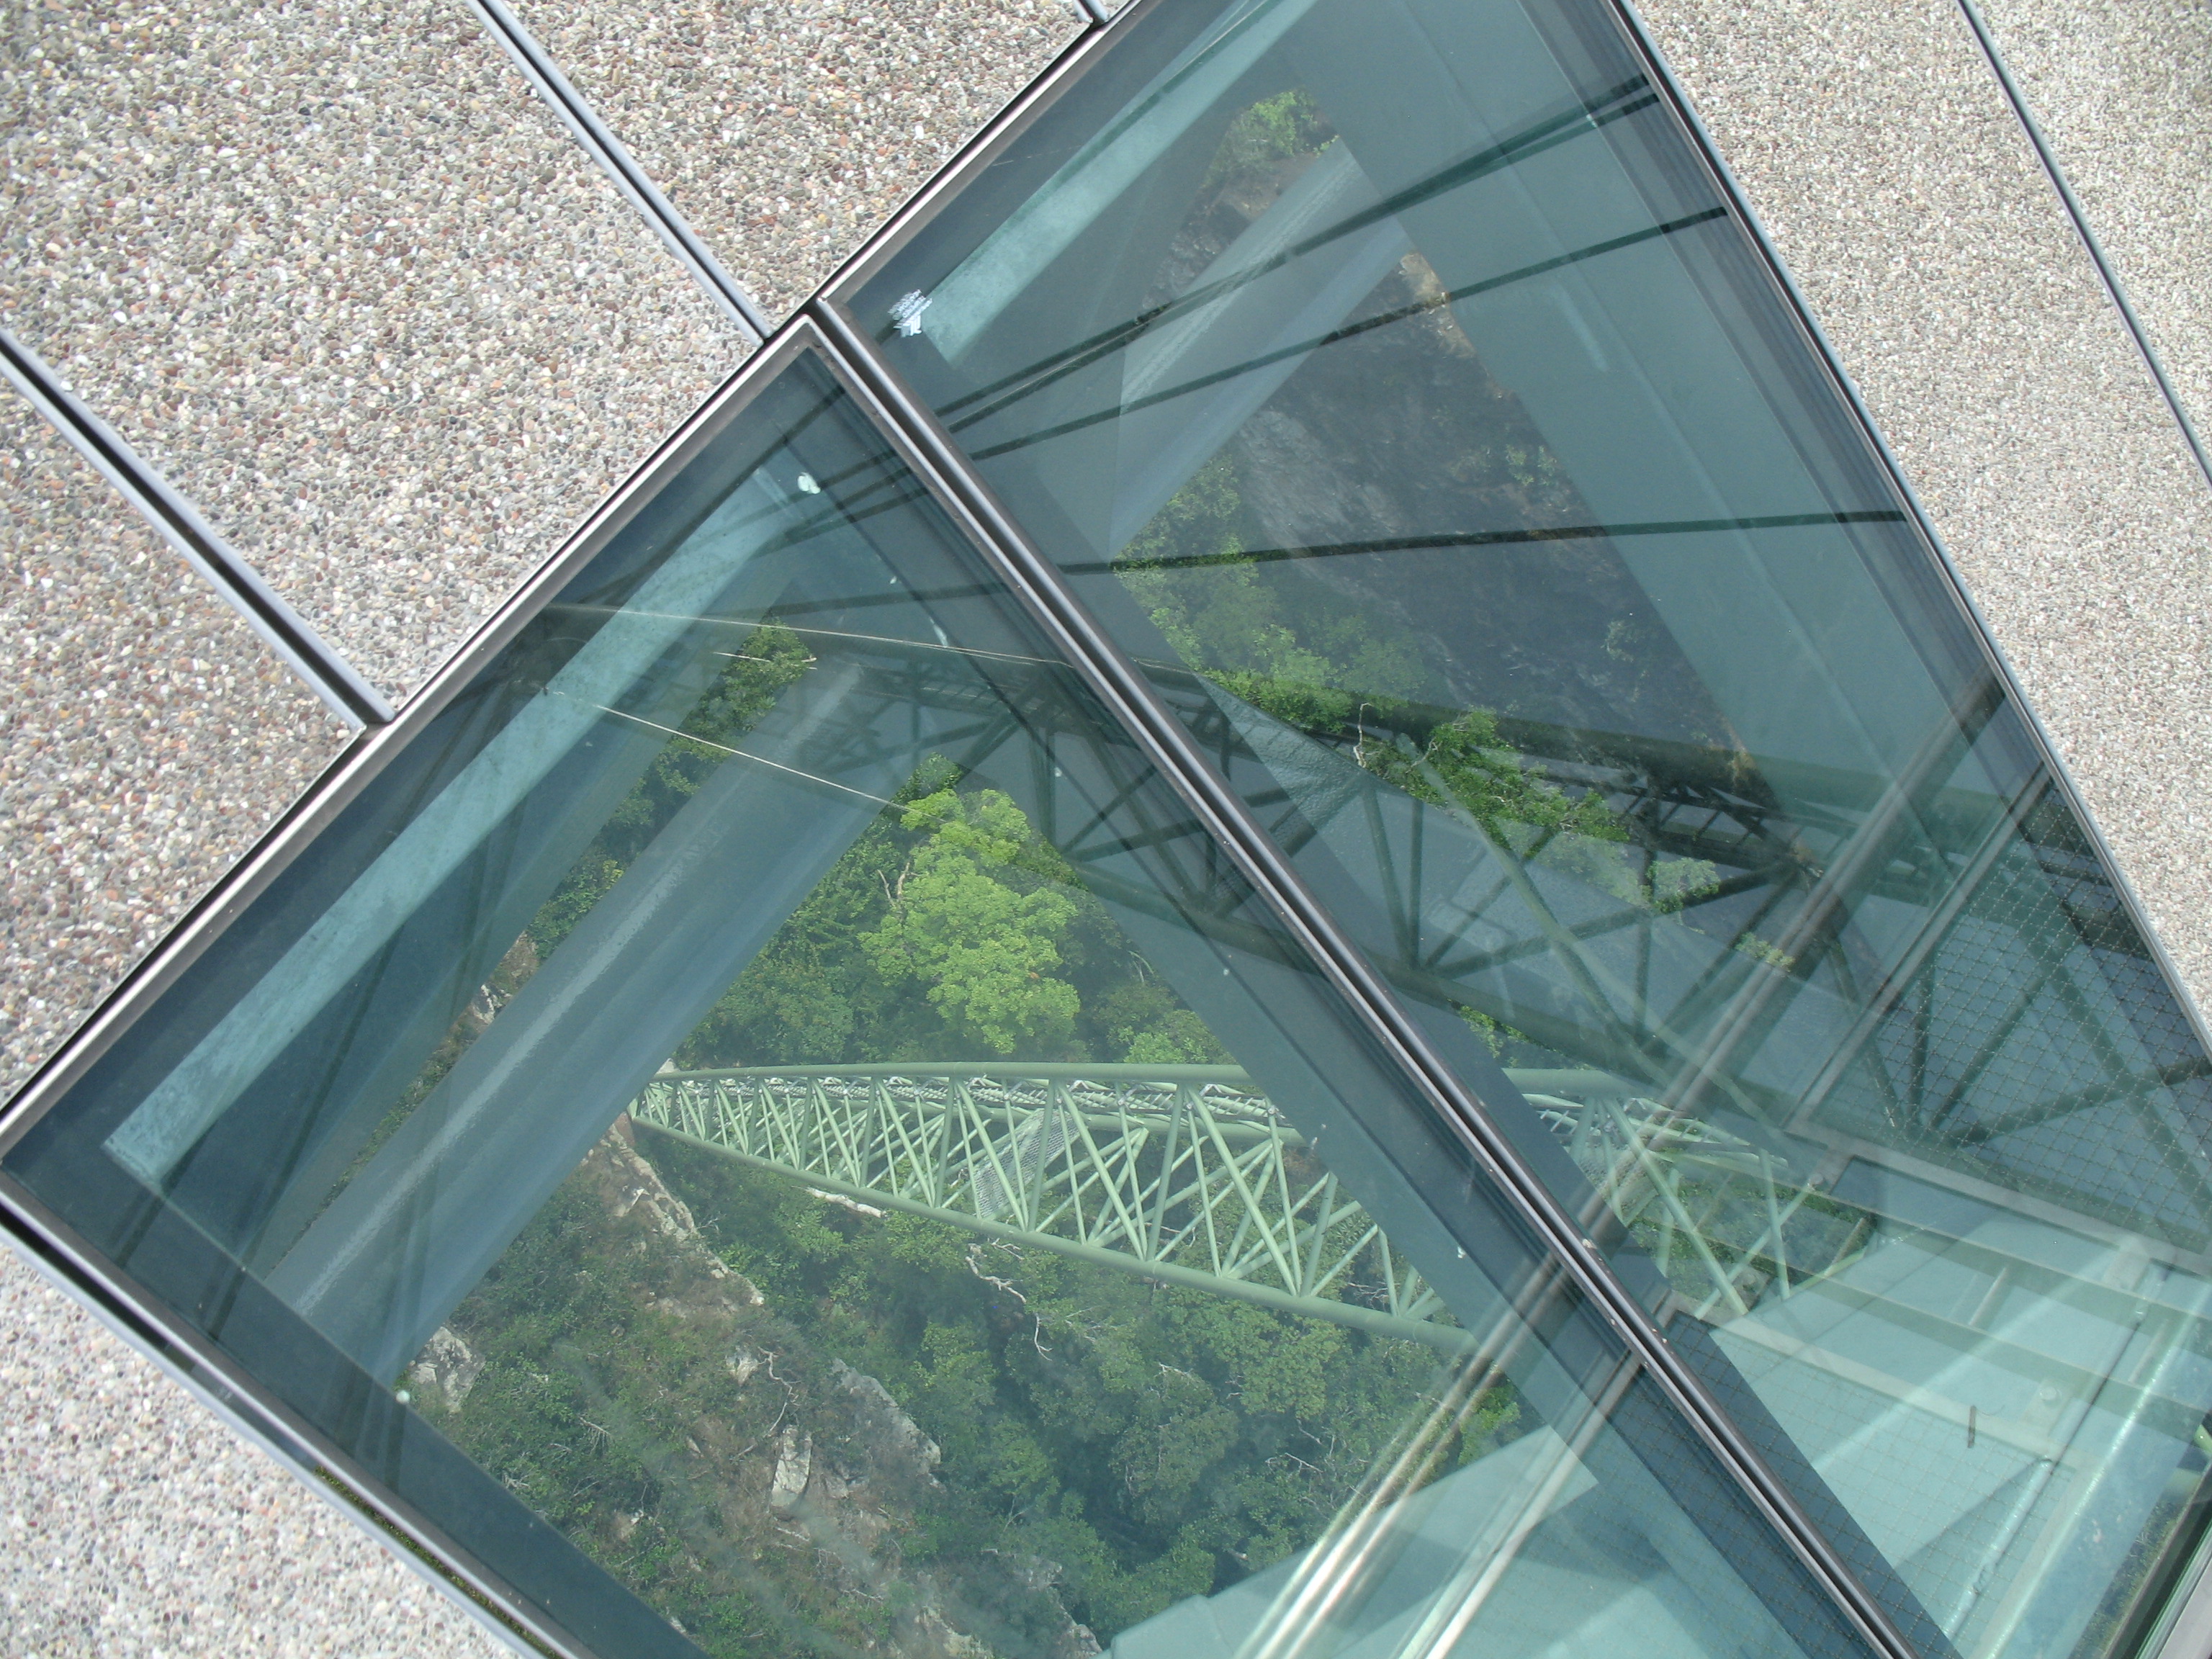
x=1391 y=378
x=766 y=1111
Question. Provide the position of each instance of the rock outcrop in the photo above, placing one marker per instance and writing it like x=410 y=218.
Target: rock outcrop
x=722 y=1441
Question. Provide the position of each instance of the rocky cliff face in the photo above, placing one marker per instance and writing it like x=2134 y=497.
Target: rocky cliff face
x=620 y=1377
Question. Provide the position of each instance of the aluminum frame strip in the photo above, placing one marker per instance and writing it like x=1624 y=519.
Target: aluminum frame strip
x=1125 y=691
x=349 y=693
x=597 y=140
x=240 y=1402
x=2075 y=212
x=2189 y=1628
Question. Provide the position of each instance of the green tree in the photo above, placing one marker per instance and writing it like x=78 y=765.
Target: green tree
x=1154 y=1441
x=961 y=923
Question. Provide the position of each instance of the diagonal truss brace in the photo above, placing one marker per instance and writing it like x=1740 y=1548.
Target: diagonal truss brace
x=1141 y=1169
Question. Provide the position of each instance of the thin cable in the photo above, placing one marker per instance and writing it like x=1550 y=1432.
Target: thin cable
x=739 y=754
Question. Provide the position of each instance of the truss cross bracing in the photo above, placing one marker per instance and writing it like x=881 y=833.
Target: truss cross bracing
x=1187 y=1175
x=1184 y=1173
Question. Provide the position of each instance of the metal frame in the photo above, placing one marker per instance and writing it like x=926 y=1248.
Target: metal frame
x=1126 y=693
x=599 y=141
x=348 y=692
x=924 y=446
x=2075 y=211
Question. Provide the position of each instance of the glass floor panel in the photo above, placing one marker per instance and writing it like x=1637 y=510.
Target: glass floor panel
x=1395 y=383
x=767 y=1126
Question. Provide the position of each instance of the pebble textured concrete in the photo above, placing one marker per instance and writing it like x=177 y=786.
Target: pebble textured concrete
x=136 y=1525
x=786 y=133
x=2124 y=96
x=338 y=273
x=1892 y=174
x=147 y=737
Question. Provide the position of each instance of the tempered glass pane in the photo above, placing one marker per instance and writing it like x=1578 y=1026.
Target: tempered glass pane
x=769 y=1125
x=1390 y=376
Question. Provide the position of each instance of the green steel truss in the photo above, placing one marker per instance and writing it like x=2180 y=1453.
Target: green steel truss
x=1184 y=1174
x=1187 y=1175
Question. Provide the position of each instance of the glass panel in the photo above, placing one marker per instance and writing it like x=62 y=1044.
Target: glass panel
x=766 y=1111
x=1390 y=377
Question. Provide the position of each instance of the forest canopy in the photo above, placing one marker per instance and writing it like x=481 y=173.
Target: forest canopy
x=689 y=1400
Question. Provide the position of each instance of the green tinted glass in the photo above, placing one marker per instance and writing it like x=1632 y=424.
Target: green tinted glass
x=1393 y=379
x=768 y=1127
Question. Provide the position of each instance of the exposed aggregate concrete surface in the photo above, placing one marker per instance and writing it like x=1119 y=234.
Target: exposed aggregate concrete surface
x=340 y=275
x=2123 y=94
x=134 y=1525
x=1882 y=155
x=786 y=133
x=147 y=737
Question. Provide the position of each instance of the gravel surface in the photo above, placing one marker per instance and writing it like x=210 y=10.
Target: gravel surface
x=337 y=272
x=147 y=737
x=1887 y=165
x=138 y=1526
x=2124 y=96
x=787 y=132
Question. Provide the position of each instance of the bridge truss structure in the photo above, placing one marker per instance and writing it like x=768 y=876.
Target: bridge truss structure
x=1187 y=1175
